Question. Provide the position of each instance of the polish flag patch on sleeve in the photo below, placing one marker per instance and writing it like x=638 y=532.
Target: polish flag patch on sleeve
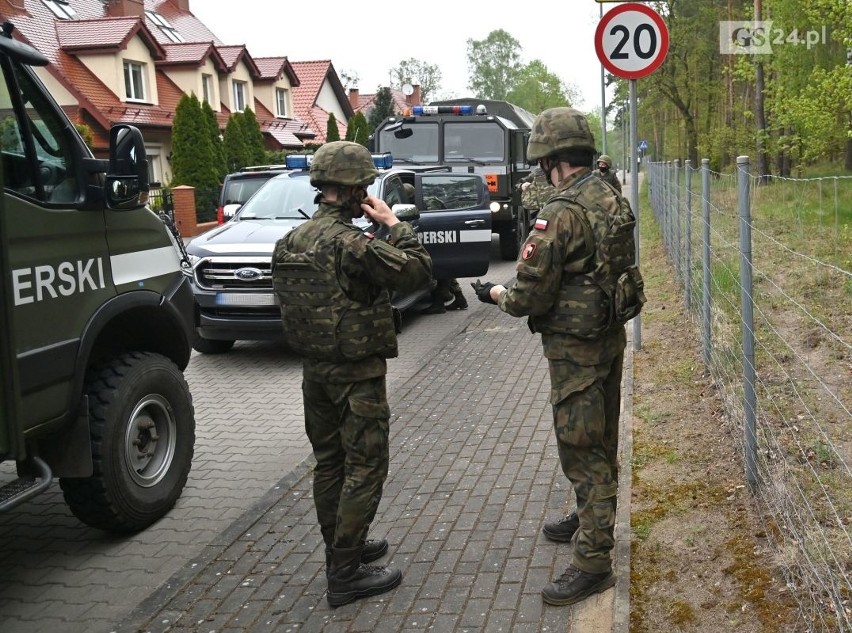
x=540 y=225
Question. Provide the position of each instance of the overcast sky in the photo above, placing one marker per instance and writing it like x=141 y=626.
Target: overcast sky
x=369 y=38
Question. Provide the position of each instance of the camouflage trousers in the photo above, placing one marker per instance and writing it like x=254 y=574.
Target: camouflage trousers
x=586 y=405
x=348 y=426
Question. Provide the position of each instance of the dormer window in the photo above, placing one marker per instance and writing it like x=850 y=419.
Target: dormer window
x=239 y=96
x=61 y=9
x=134 y=81
x=281 y=101
x=165 y=26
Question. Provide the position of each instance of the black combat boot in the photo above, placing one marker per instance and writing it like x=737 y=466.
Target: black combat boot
x=459 y=302
x=373 y=549
x=437 y=306
x=562 y=530
x=576 y=585
x=350 y=579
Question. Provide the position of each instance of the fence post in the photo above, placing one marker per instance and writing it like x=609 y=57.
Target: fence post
x=183 y=198
x=747 y=305
x=687 y=259
x=705 y=263
x=676 y=219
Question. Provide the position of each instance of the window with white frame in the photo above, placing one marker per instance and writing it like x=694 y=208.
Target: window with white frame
x=61 y=9
x=134 y=81
x=207 y=88
x=168 y=30
x=239 y=96
x=281 y=95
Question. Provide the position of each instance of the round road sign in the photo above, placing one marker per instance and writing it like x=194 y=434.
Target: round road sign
x=631 y=41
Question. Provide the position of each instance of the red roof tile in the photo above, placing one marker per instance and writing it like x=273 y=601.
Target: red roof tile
x=194 y=53
x=95 y=30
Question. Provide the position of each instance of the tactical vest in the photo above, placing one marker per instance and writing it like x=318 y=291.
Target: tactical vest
x=320 y=320
x=611 y=291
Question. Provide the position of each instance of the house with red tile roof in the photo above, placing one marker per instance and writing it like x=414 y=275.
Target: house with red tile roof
x=319 y=94
x=401 y=101
x=131 y=61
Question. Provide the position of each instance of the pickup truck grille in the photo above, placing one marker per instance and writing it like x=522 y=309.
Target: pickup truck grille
x=230 y=273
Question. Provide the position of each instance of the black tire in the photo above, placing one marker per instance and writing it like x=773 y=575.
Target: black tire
x=211 y=345
x=138 y=400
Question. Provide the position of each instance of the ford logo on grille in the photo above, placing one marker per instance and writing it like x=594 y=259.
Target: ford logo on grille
x=248 y=274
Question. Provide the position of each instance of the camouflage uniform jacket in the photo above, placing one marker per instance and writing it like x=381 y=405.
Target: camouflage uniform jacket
x=539 y=191
x=556 y=247
x=367 y=265
x=609 y=177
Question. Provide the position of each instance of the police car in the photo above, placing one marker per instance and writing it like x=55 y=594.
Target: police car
x=231 y=264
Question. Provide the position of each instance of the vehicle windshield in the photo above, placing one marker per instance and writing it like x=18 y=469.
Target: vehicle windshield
x=477 y=142
x=419 y=147
x=281 y=198
x=239 y=190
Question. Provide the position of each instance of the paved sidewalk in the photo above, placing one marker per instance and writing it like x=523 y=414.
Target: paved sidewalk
x=474 y=474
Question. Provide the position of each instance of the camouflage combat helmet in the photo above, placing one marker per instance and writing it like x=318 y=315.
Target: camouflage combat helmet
x=343 y=163
x=603 y=158
x=558 y=130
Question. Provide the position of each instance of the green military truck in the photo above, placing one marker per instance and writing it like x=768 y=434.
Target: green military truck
x=486 y=137
x=96 y=317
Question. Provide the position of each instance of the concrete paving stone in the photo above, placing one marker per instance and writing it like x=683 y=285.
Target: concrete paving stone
x=434 y=585
x=475 y=612
x=507 y=595
x=499 y=621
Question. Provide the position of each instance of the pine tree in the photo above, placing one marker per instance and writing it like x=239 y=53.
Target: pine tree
x=331 y=131
x=382 y=108
x=193 y=161
x=234 y=142
x=256 y=151
x=219 y=162
x=357 y=129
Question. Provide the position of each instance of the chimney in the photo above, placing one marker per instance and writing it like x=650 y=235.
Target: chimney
x=125 y=8
x=183 y=5
x=353 y=98
x=414 y=97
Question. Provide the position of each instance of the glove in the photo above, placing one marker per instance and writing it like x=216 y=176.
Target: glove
x=483 y=291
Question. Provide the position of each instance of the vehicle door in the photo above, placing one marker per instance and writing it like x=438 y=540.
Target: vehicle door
x=55 y=247
x=455 y=222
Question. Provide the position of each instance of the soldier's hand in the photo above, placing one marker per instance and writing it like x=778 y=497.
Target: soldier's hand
x=483 y=291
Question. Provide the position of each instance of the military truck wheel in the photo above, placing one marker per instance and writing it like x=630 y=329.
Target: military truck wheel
x=211 y=346
x=142 y=425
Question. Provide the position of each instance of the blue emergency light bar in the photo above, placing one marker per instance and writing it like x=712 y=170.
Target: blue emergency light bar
x=298 y=161
x=422 y=110
x=383 y=161
x=303 y=161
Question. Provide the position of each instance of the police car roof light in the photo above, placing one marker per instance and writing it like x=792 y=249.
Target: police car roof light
x=298 y=161
x=383 y=161
x=421 y=110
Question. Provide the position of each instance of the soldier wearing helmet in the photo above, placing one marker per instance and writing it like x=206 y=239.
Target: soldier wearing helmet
x=333 y=283
x=605 y=172
x=568 y=278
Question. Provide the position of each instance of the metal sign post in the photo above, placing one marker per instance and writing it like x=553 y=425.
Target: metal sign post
x=632 y=41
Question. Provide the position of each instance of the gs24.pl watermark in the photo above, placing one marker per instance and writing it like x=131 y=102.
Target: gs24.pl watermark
x=757 y=37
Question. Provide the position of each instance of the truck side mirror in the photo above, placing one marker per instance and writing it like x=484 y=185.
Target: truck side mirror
x=127 y=175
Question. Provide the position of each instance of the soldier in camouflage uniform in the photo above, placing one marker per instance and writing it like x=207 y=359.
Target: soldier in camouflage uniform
x=333 y=282
x=605 y=172
x=535 y=191
x=557 y=287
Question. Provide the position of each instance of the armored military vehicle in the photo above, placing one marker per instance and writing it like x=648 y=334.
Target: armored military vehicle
x=96 y=315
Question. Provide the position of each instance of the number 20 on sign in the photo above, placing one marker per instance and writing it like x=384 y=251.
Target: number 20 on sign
x=631 y=41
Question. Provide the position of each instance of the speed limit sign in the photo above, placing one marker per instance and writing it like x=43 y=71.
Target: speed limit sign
x=631 y=41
